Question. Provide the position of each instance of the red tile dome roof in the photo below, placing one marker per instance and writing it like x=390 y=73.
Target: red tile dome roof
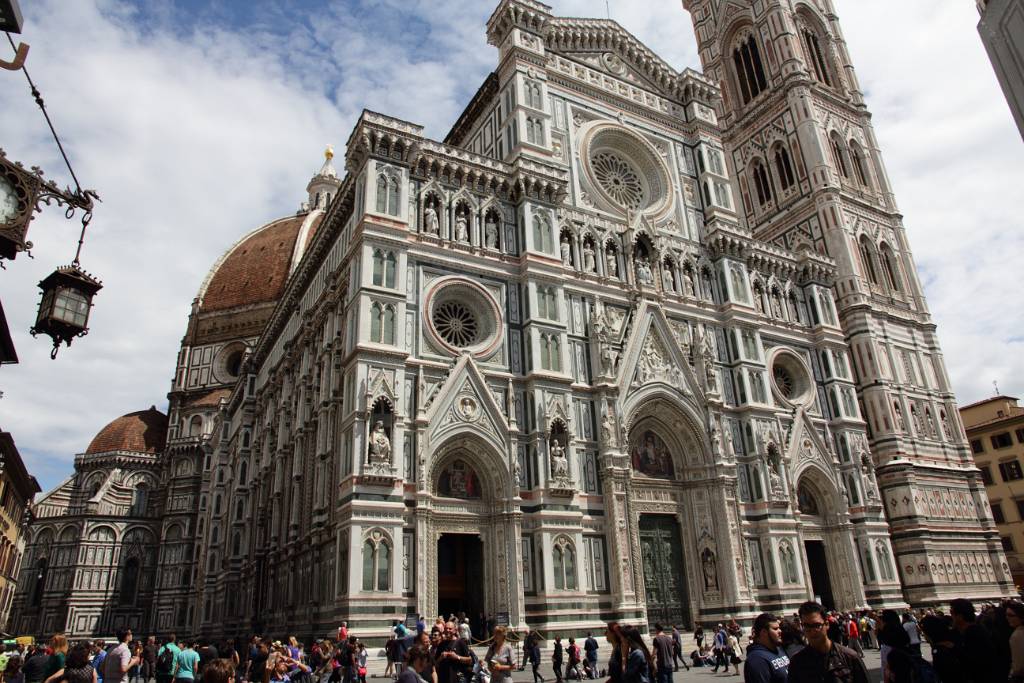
x=256 y=268
x=141 y=432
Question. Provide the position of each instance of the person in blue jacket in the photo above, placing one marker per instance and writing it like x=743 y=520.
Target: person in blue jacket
x=766 y=660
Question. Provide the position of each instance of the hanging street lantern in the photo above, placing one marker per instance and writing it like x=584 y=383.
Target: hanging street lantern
x=64 y=308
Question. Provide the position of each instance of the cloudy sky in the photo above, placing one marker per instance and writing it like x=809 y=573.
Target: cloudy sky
x=197 y=120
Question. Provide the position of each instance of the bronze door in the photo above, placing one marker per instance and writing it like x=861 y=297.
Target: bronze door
x=664 y=582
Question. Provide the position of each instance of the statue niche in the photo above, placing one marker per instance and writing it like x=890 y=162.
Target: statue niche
x=379 y=453
x=459 y=480
x=651 y=457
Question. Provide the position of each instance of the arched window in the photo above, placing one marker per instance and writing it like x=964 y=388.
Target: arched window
x=816 y=57
x=42 y=566
x=762 y=183
x=387 y=195
x=853 y=489
x=534 y=131
x=240 y=509
x=550 y=353
x=195 y=426
x=542 y=234
x=376 y=563
x=867 y=258
x=547 y=306
x=382 y=193
x=129 y=582
x=211 y=565
x=382 y=323
x=236 y=544
x=139 y=499
x=216 y=504
x=860 y=163
x=564 y=564
x=243 y=473
x=891 y=268
x=383 y=268
x=393 y=194
x=839 y=154
x=784 y=167
x=749 y=69
x=706 y=187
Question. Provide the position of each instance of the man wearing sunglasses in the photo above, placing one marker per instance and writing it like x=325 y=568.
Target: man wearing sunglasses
x=823 y=661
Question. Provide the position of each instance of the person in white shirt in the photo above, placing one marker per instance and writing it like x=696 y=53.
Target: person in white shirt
x=119 y=660
x=912 y=629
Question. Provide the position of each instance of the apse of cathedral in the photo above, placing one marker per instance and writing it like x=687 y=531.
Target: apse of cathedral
x=629 y=343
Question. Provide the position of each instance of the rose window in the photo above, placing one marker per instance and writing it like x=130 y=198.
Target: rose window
x=617 y=177
x=783 y=380
x=625 y=172
x=456 y=324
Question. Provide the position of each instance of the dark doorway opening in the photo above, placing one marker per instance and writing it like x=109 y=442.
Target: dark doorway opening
x=460 y=575
x=817 y=565
x=661 y=546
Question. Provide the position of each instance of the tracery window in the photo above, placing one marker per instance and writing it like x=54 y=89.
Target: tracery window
x=784 y=167
x=762 y=183
x=382 y=323
x=749 y=69
x=387 y=194
x=839 y=154
x=384 y=267
x=140 y=497
x=891 y=269
x=542 y=239
x=376 y=563
x=816 y=57
x=534 y=97
x=860 y=163
x=550 y=352
x=722 y=196
x=547 y=306
x=563 y=560
x=867 y=257
x=534 y=131
x=619 y=179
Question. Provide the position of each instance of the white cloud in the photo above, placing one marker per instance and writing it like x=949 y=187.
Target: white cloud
x=195 y=133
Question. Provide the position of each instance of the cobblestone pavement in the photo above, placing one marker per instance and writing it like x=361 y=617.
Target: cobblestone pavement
x=376 y=664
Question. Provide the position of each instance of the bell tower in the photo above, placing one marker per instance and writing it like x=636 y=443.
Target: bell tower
x=810 y=176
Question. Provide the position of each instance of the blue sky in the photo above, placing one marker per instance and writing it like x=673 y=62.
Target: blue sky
x=198 y=120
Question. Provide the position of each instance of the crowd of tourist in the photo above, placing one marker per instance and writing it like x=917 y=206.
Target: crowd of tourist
x=815 y=645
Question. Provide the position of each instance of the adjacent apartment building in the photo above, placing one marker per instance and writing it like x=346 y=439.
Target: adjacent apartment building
x=995 y=429
x=17 y=489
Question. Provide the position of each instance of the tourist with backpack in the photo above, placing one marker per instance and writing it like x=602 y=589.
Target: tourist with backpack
x=165 y=660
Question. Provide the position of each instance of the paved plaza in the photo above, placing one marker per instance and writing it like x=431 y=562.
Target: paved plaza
x=376 y=664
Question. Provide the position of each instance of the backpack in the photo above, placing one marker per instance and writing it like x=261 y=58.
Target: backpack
x=165 y=661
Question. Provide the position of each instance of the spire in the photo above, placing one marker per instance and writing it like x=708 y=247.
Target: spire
x=324 y=184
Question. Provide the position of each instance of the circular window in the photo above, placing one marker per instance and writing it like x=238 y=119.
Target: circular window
x=790 y=378
x=460 y=315
x=455 y=323
x=626 y=172
x=227 y=365
x=618 y=179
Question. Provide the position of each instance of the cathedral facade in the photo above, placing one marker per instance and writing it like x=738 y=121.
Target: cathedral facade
x=627 y=344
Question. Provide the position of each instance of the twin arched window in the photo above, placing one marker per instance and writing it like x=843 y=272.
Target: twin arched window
x=784 y=167
x=533 y=92
x=749 y=69
x=817 y=64
x=376 y=563
x=550 y=352
x=839 y=154
x=534 y=131
x=384 y=267
x=547 y=303
x=563 y=560
x=860 y=163
x=867 y=257
x=387 y=194
x=382 y=323
x=542 y=240
x=762 y=183
x=891 y=268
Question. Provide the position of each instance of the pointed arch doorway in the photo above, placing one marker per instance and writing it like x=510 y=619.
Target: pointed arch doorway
x=460 y=575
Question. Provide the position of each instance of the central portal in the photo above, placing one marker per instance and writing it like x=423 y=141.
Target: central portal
x=460 y=575
x=817 y=564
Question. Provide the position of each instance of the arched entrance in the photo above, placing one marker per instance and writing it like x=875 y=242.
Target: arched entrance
x=819 y=533
x=660 y=448
x=467 y=523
